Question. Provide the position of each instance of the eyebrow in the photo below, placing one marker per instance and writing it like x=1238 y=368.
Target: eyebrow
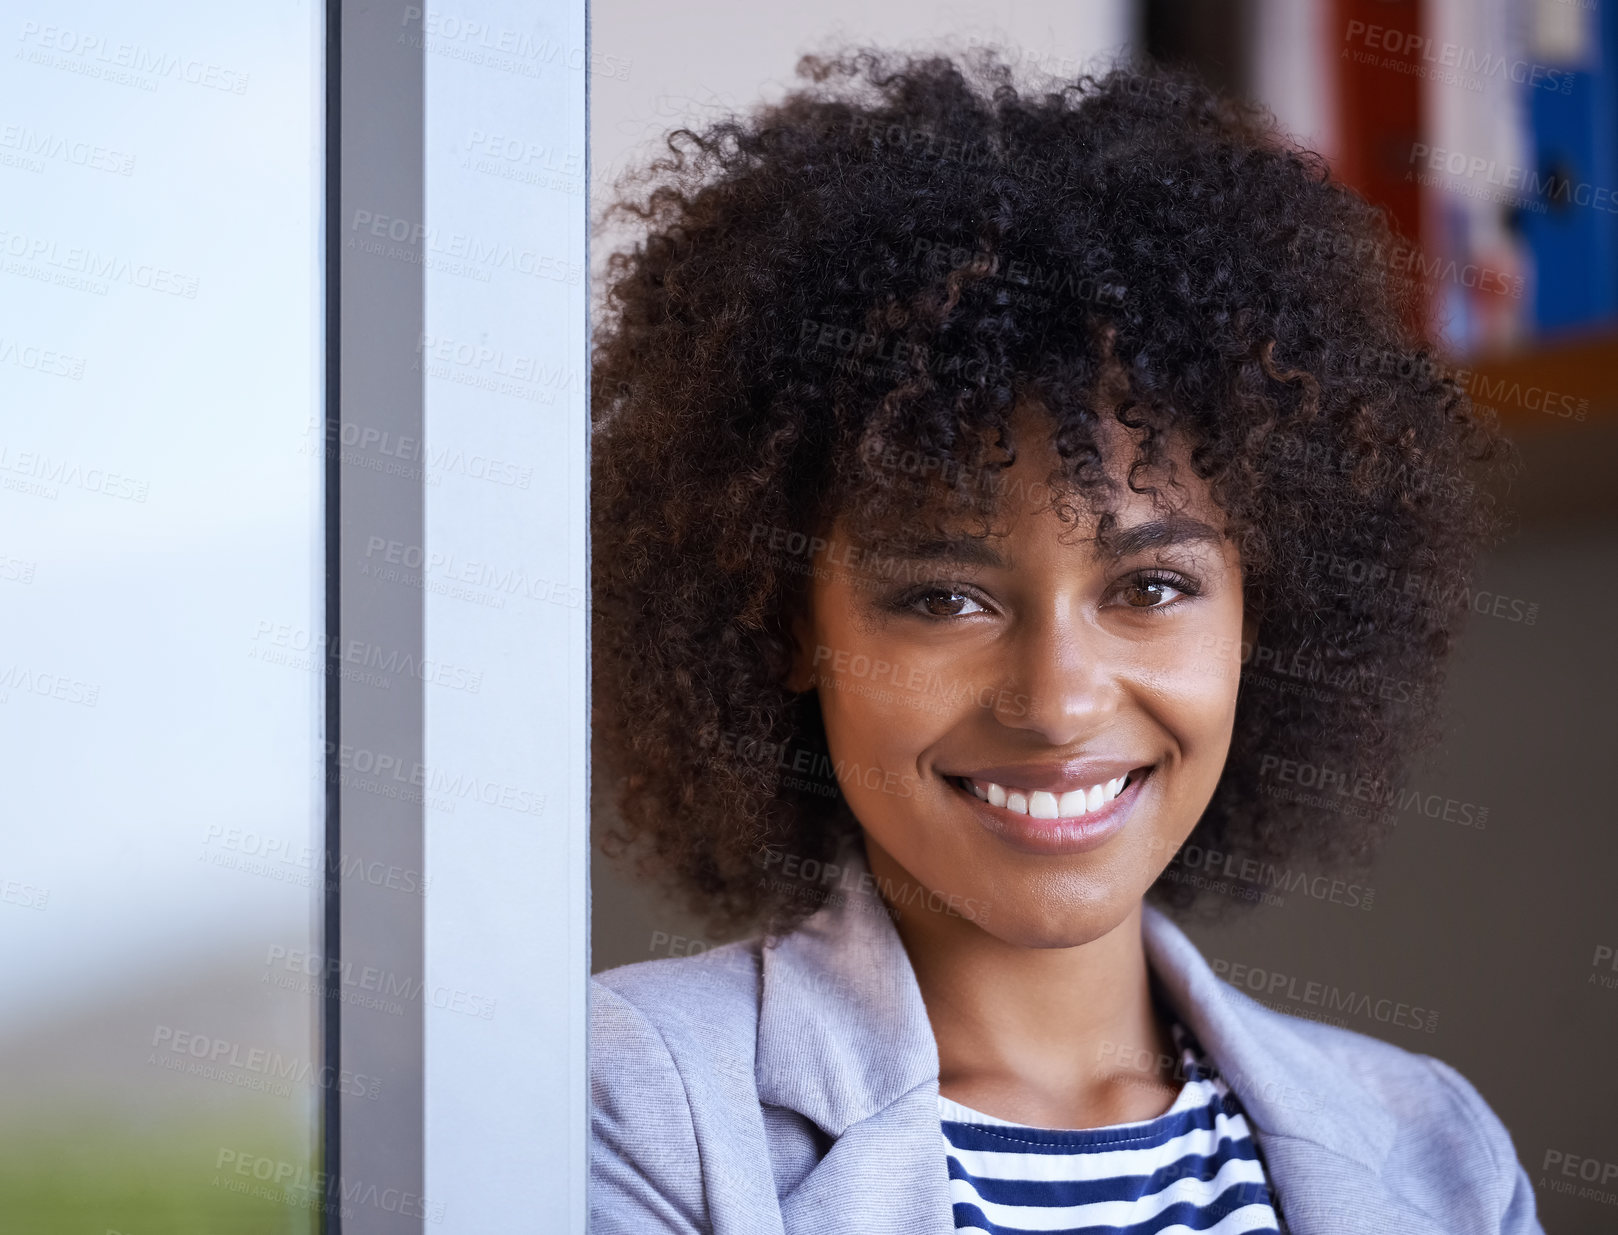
x=1157 y=534
x=1116 y=543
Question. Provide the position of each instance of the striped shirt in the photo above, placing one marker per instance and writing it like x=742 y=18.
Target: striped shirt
x=1194 y=1168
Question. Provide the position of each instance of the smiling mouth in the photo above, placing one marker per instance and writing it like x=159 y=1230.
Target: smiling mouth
x=1040 y=804
x=1042 y=823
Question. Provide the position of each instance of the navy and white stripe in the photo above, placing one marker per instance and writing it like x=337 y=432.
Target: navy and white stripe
x=1194 y=1168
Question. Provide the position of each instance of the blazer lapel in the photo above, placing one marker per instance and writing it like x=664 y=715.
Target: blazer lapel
x=885 y=1175
x=844 y=1039
x=1321 y=1192
x=1323 y=1135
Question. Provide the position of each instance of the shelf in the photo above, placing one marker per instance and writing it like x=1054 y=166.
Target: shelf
x=1544 y=384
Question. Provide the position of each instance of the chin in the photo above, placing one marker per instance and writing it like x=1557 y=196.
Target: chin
x=1062 y=924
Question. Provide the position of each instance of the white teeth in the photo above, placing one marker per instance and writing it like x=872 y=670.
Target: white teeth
x=1040 y=804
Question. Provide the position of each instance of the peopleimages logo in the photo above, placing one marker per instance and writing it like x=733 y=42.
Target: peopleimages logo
x=1580 y=1166
x=774 y=860
x=218 y=1054
x=1325 y=783
x=1606 y=956
x=1548 y=186
x=460 y=38
x=95 y=55
x=294 y=1180
x=482 y=255
x=1400 y=258
x=1419 y=50
x=916 y=681
x=98 y=269
x=1249 y=870
x=1270 y=984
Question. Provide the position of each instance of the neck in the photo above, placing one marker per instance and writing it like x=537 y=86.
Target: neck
x=1052 y=1036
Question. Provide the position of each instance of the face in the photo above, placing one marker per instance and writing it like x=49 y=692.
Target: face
x=1029 y=725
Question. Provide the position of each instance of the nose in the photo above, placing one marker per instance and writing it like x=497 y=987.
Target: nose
x=1062 y=685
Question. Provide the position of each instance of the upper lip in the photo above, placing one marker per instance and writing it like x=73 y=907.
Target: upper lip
x=1054 y=777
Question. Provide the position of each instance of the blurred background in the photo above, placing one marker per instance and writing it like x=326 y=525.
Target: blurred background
x=1488 y=129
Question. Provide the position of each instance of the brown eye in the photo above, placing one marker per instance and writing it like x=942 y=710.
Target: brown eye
x=944 y=604
x=936 y=604
x=1149 y=593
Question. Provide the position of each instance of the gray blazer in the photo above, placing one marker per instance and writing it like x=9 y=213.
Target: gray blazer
x=792 y=1089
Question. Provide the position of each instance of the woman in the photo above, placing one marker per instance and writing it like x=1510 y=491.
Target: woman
x=955 y=449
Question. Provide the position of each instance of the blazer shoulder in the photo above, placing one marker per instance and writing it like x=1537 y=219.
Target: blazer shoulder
x=690 y=999
x=1508 y=1184
x=1365 y=1057
x=1446 y=1134
x=673 y=1101
x=643 y=1137
x=1414 y=1087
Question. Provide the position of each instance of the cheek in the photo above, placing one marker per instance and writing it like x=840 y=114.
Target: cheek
x=1206 y=678
x=878 y=716
x=873 y=759
x=1192 y=684
x=880 y=719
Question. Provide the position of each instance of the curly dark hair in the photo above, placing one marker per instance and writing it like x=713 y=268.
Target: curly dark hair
x=833 y=309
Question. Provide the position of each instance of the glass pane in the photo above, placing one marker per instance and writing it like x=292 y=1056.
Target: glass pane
x=160 y=566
